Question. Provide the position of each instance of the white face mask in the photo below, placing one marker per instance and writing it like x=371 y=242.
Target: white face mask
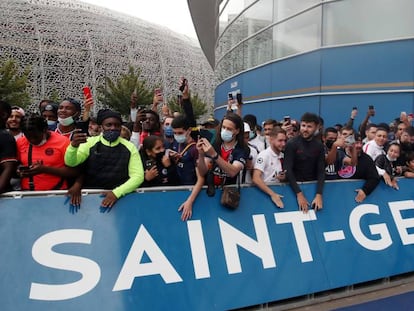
x=391 y=159
x=51 y=122
x=66 y=121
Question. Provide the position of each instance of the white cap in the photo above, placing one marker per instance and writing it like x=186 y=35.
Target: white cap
x=246 y=127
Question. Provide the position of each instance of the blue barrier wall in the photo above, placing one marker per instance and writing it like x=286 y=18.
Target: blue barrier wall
x=141 y=256
x=334 y=80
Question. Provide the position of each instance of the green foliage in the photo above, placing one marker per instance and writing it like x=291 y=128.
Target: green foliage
x=54 y=96
x=13 y=83
x=199 y=107
x=117 y=94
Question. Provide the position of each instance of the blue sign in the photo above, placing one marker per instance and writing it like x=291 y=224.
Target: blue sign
x=141 y=256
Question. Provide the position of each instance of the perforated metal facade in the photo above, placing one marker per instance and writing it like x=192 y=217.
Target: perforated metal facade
x=69 y=44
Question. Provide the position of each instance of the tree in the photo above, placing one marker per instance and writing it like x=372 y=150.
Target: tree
x=13 y=83
x=117 y=94
x=199 y=107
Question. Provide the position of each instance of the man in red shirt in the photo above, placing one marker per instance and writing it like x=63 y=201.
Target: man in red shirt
x=41 y=154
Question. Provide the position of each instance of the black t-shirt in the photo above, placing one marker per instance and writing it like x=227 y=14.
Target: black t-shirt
x=8 y=151
x=304 y=160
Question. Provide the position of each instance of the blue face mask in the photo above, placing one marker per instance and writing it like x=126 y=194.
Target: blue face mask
x=168 y=131
x=111 y=135
x=51 y=122
x=251 y=135
x=180 y=138
x=226 y=135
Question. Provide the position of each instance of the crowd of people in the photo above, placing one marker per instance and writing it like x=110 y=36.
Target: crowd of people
x=65 y=147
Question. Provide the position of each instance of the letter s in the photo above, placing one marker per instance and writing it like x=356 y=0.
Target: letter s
x=42 y=253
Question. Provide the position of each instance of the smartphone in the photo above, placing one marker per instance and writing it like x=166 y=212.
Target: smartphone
x=230 y=96
x=354 y=108
x=286 y=118
x=183 y=84
x=239 y=98
x=24 y=168
x=149 y=164
x=87 y=92
x=371 y=107
x=350 y=140
x=83 y=127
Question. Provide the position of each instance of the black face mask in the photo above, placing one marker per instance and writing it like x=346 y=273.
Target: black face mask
x=158 y=156
x=329 y=143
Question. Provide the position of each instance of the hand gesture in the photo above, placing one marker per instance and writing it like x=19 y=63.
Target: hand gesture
x=302 y=202
x=187 y=210
x=78 y=138
x=277 y=200
x=360 y=195
x=204 y=146
x=108 y=202
x=317 y=202
x=151 y=173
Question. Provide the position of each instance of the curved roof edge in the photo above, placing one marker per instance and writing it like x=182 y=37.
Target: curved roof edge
x=204 y=15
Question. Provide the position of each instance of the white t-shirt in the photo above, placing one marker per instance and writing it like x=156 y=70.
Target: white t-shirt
x=373 y=150
x=269 y=163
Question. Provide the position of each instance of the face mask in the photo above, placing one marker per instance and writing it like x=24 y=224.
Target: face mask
x=168 y=131
x=66 y=121
x=391 y=159
x=252 y=135
x=158 y=156
x=51 y=122
x=111 y=135
x=329 y=143
x=226 y=135
x=180 y=138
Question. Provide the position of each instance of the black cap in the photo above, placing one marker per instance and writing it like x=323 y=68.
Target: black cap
x=107 y=113
x=51 y=107
x=211 y=122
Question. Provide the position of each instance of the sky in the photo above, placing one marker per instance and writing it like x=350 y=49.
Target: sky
x=173 y=14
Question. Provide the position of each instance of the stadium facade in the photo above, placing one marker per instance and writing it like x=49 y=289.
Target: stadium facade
x=290 y=56
x=68 y=44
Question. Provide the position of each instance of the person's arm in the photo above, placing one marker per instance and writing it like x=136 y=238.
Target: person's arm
x=87 y=105
x=258 y=181
x=135 y=171
x=350 y=122
x=320 y=171
x=288 y=165
x=187 y=207
x=187 y=106
x=331 y=157
x=372 y=178
x=39 y=168
x=364 y=123
x=78 y=150
x=7 y=168
x=352 y=156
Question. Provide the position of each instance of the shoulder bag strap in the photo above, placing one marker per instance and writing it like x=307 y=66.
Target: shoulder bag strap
x=29 y=160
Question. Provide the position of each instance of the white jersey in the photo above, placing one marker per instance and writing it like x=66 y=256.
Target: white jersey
x=373 y=150
x=258 y=142
x=253 y=157
x=270 y=164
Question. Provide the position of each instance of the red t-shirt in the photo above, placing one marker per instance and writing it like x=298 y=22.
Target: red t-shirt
x=52 y=153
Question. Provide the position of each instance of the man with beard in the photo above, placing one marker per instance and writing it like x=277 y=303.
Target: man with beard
x=14 y=122
x=305 y=161
x=268 y=166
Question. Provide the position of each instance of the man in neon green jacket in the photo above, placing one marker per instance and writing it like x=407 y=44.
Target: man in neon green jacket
x=111 y=162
